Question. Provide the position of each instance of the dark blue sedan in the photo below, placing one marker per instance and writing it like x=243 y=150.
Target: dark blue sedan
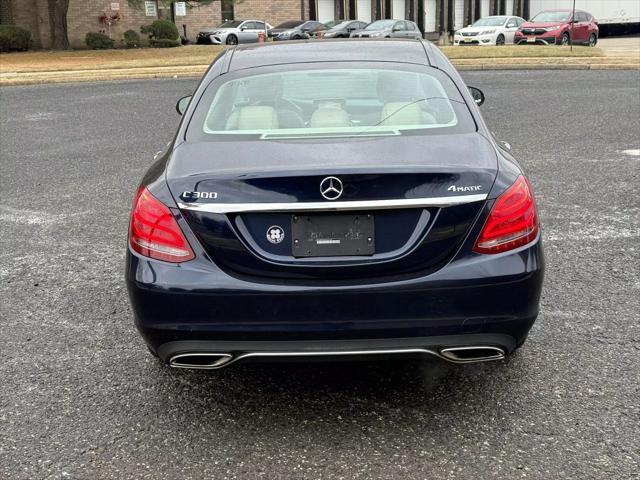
x=333 y=199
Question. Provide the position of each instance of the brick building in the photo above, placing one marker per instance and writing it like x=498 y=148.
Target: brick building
x=434 y=17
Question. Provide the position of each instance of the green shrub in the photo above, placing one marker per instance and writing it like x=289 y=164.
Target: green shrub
x=131 y=39
x=164 y=43
x=14 y=38
x=162 y=29
x=98 y=41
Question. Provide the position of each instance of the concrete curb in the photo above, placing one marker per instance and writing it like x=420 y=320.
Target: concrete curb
x=190 y=71
x=549 y=66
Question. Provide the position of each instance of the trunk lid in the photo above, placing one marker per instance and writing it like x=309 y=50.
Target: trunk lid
x=415 y=208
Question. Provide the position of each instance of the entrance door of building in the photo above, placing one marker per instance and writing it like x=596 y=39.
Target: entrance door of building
x=458 y=18
x=484 y=8
x=326 y=10
x=429 y=16
x=398 y=9
x=509 y=7
x=363 y=10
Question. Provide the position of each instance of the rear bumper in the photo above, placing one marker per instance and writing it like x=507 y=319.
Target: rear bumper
x=495 y=295
x=210 y=355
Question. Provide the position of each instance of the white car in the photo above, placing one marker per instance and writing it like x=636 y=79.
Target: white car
x=233 y=32
x=495 y=30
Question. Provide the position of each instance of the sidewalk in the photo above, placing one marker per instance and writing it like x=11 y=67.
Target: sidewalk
x=191 y=61
x=621 y=46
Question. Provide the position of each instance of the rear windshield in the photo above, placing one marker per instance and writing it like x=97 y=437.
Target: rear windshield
x=552 y=17
x=296 y=102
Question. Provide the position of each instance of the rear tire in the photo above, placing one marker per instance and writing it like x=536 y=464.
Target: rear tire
x=565 y=40
x=500 y=40
x=232 y=40
x=593 y=40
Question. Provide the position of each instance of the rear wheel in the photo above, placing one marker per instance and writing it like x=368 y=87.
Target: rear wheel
x=593 y=39
x=500 y=40
x=232 y=40
x=564 y=41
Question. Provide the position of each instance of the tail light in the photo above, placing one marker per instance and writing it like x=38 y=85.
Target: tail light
x=154 y=232
x=512 y=222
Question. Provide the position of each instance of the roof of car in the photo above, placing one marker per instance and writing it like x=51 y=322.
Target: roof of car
x=348 y=50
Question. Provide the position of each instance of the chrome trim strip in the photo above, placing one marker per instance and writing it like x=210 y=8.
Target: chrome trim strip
x=329 y=206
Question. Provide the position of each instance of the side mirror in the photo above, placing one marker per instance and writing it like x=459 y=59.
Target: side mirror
x=511 y=25
x=477 y=94
x=182 y=104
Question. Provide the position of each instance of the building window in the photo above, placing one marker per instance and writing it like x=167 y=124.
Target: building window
x=5 y=12
x=227 y=10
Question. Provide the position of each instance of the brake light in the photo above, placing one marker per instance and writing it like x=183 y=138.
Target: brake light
x=512 y=222
x=154 y=232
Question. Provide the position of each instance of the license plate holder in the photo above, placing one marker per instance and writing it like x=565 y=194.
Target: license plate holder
x=332 y=235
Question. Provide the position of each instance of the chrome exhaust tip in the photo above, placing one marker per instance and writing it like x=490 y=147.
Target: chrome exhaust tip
x=472 y=354
x=199 y=360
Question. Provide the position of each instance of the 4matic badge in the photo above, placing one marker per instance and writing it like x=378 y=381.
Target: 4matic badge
x=472 y=188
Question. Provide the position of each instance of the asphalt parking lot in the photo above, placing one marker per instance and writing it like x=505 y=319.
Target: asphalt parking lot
x=81 y=397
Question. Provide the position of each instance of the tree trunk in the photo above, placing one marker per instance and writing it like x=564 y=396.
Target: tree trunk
x=58 y=23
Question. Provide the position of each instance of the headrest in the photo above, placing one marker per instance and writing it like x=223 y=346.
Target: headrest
x=396 y=87
x=330 y=117
x=406 y=113
x=257 y=118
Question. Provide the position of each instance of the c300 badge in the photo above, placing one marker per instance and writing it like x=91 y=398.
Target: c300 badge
x=275 y=234
x=189 y=196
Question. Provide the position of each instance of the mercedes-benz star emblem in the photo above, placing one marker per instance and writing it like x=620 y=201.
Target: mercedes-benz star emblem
x=331 y=188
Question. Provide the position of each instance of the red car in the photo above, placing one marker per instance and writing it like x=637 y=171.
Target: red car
x=558 y=27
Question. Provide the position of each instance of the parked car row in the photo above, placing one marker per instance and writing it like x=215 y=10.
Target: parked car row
x=550 y=27
x=247 y=31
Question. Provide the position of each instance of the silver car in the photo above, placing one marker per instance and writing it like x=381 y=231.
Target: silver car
x=233 y=32
x=389 y=29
